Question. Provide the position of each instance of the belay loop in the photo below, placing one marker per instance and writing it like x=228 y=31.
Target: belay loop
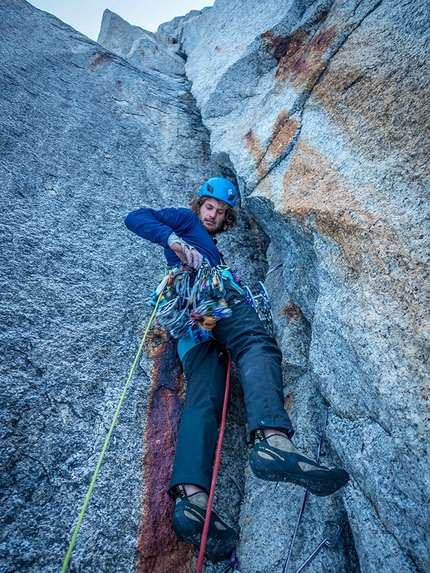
x=193 y=301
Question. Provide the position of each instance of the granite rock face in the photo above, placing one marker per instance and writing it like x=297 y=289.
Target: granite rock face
x=140 y=47
x=86 y=138
x=317 y=109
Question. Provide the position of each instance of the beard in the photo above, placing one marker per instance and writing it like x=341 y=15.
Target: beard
x=212 y=229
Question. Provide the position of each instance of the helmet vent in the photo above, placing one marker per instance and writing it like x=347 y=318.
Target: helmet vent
x=220 y=189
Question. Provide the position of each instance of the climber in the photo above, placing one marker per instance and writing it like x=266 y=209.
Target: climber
x=188 y=237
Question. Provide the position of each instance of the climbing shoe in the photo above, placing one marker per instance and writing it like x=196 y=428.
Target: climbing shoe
x=276 y=459
x=188 y=522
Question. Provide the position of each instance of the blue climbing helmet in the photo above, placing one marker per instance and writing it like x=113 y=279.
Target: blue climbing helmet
x=221 y=189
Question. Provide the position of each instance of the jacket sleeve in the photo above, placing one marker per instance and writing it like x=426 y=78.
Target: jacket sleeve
x=156 y=226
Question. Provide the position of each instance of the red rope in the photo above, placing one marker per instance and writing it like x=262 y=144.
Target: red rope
x=215 y=472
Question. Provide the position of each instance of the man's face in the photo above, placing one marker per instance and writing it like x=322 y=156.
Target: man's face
x=212 y=215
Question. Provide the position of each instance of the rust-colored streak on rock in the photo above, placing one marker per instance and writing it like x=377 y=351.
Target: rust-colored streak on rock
x=291 y=310
x=159 y=548
x=284 y=136
x=284 y=131
x=253 y=145
x=318 y=196
x=303 y=66
x=288 y=401
x=256 y=230
x=257 y=151
x=283 y=46
x=99 y=58
x=279 y=122
x=378 y=109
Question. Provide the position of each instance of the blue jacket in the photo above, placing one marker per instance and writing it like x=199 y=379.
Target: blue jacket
x=156 y=226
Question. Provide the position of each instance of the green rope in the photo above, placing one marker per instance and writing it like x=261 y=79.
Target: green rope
x=99 y=463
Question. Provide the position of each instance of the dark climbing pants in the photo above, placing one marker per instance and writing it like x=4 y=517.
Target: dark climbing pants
x=259 y=361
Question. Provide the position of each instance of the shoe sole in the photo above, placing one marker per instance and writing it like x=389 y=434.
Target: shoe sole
x=315 y=481
x=190 y=531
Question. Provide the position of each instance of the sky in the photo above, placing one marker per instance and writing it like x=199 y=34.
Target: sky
x=86 y=15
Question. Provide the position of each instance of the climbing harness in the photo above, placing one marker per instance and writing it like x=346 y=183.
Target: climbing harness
x=234 y=564
x=305 y=497
x=108 y=437
x=215 y=471
x=193 y=301
x=329 y=541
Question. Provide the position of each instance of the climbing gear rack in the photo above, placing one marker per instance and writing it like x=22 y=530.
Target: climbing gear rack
x=193 y=301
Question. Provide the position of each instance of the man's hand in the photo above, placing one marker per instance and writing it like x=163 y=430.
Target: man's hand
x=189 y=255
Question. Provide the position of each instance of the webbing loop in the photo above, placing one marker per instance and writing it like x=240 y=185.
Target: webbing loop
x=109 y=434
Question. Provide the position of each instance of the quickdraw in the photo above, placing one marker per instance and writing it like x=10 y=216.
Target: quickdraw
x=262 y=306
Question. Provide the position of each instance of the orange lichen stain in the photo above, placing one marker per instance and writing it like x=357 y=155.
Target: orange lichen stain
x=279 y=122
x=316 y=194
x=254 y=145
x=283 y=138
x=256 y=149
x=159 y=548
x=379 y=109
x=304 y=66
x=283 y=132
x=313 y=185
